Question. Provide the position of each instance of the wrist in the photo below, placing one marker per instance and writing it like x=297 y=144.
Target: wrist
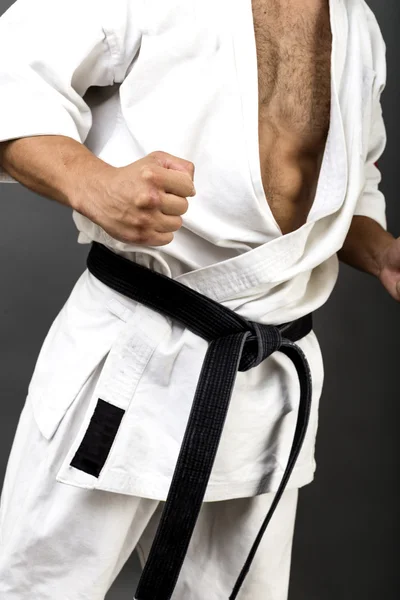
x=380 y=257
x=87 y=183
x=366 y=245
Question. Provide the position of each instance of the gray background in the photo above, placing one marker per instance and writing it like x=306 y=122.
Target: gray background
x=345 y=545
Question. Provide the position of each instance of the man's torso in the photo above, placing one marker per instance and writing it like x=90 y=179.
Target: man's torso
x=293 y=42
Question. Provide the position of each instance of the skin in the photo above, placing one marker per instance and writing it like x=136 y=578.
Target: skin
x=370 y=248
x=143 y=203
x=294 y=43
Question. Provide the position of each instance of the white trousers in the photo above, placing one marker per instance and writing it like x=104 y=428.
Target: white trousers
x=61 y=542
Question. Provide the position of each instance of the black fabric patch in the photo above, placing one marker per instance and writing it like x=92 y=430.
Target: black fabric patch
x=98 y=439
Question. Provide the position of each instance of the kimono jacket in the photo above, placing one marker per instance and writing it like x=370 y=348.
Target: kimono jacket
x=129 y=77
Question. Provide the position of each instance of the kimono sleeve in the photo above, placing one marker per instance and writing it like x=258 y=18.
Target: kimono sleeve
x=372 y=201
x=51 y=52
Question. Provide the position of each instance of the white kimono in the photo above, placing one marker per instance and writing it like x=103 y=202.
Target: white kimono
x=168 y=77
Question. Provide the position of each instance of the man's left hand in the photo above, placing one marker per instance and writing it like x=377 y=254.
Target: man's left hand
x=389 y=274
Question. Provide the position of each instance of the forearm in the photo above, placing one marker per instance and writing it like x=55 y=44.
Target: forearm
x=365 y=244
x=54 y=166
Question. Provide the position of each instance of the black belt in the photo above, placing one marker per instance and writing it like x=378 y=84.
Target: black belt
x=234 y=344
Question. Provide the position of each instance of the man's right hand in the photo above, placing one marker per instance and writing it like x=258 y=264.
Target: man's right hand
x=141 y=203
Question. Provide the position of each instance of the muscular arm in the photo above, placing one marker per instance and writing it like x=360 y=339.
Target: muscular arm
x=365 y=245
x=54 y=166
x=369 y=246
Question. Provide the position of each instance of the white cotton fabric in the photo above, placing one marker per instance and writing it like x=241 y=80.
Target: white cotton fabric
x=163 y=76
x=60 y=542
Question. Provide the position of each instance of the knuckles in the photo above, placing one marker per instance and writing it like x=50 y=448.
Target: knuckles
x=157 y=154
x=160 y=154
x=141 y=221
x=147 y=199
x=153 y=198
x=148 y=174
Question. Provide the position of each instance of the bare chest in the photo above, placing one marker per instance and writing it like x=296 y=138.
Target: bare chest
x=293 y=43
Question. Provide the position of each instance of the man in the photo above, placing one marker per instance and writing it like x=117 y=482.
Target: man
x=273 y=108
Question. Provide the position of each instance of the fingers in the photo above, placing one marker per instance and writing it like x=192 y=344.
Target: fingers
x=173 y=182
x=162 y=239
x=169 y=161
x=168 y=224
x=173 y=205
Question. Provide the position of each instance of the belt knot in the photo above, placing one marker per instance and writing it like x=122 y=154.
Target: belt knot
x=261 y=342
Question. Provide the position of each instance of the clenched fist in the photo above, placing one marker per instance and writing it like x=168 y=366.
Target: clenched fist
x=142 y=203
